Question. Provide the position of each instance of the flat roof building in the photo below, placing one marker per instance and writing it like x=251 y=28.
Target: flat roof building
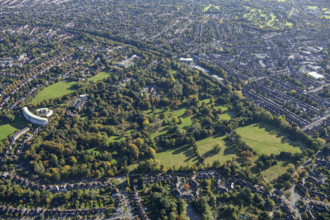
x=316 y=75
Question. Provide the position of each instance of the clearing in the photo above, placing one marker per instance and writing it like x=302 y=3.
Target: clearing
x=180 y=156
x=10 y=128
x=205 y=147
x=54 y=91
x=265 y=139
x=99 y=76
x=272 y=173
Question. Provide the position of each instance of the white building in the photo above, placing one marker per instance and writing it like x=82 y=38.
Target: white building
x=34 y=118
x=45 y=112
x=187 y=60
x=316 y=75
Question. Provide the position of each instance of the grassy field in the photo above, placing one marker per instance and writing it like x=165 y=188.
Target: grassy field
x=54 y=91
x=177 y=157
x=179 y=113
x=206 y=8
x=206 y=145
x=113 y=139
x=99 y=76
x=265 y=139
x=312 y=7
x=182 y=156
x=263 y=19
x=9 y=129
x=275 y=171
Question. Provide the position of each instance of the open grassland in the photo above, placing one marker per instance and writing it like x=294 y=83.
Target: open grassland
x=54 y=91
x=206 y=146
x=10 y=128
x=312 y=7
x=272 y=173
x=265 y=139
x=99 y=76
x=178 y=113
x=177 y=157
x=206 y=8
x=263 y=19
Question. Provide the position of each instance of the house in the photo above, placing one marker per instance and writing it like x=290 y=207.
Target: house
x=193 y=184
x=176 y=193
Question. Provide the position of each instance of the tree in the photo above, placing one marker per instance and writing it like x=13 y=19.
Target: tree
x=48 y=200
x=287 y=184
x=152 y=153
x=134 y=151
x=56 y=176
x=216 y=149
x=304 y=216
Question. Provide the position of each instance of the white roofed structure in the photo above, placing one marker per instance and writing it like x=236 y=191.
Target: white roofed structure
x=34 y=118
x=316 y=75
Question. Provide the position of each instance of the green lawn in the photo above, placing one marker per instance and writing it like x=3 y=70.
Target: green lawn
x=9 y=129
x=206 y=8
x=54 y=91
x=179 y=113
x=206 y=145
x=312 y=7
x=226 y=114
x=99 y=76
x=113 y=139
x=274 y=172
x=183 y=155
x=265 y=139
x=177 y=157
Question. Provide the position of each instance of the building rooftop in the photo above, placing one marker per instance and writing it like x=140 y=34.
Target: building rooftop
x=315 y=75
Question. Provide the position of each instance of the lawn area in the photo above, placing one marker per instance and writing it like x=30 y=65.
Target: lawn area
x=274 y=172
x=206 y=145
x=187 y=121
x=184 y=155
x=312 y=7
x=226 y=114
x=177 y=157
x=162 y=131
x=265 y=139
x=113 y=139
x=54 y=91
x=9 y=129
x=260 y=18
x=206 y=8
x=99 y=76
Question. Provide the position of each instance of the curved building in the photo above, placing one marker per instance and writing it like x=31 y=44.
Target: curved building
x=34 y=118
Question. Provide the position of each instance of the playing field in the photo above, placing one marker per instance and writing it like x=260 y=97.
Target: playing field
x=265 y=139
x=54 y=91
x=274 y=172
x=99 y=76
x=182 y=156
x=9 y=129
x=177 y=157
x=206 y=146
